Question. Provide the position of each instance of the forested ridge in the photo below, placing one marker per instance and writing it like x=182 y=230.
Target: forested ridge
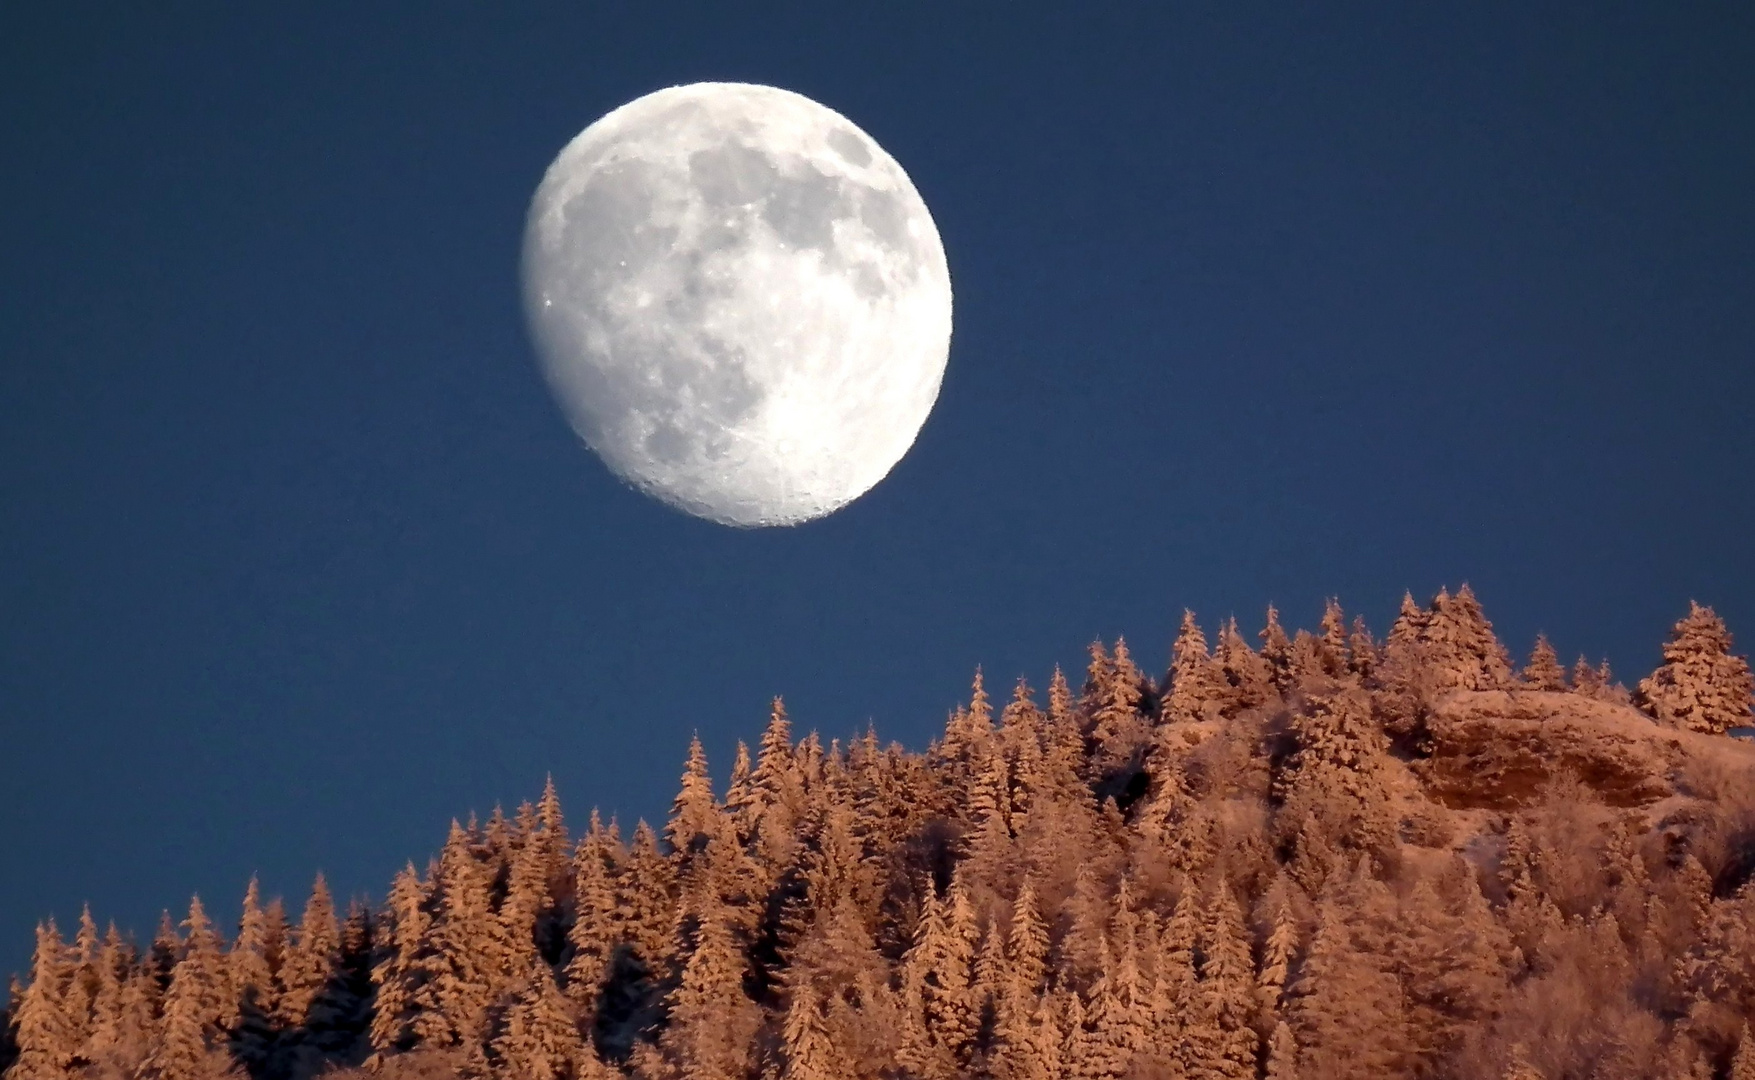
x=1310 y=855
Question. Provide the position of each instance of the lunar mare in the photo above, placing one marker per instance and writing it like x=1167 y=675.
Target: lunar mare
x=739 y=299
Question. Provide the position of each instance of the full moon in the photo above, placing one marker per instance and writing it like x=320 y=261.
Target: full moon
x=739 y=300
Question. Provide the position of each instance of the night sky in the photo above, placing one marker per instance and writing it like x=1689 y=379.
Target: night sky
x=299 y=559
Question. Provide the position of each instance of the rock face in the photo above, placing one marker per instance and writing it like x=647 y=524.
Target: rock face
x=1498 y=748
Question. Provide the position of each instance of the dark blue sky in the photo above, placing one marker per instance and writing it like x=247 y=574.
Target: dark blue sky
x=298 y=559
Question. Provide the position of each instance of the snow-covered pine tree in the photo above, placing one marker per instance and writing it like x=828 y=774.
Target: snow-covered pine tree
x=1347 y=1007
x=968 y=734
x=1543 y=672
x=694 y=815
x=47 y=1036
x=1193 y=681
x=198 y=1008
x=1022 y=731
x=1585 y=680
x=1363 y=653
x=253 y=984
x=837 y=1020
x=1026 y=969
x=937 y=979
x=106 y=971
x=311 y=961
x=1244 y=683
x=810 y=1049
x=646 y=891
x=1227 y=997
x=83 y=975
x=1276 y=650
x=1279 y=949
x=989 y=804
x=712 y=1021
x=1063 y=750
x=1337 y=780
x=1331 y=640
x=1402 y=660
x=1702 y=685
x=456 y=969
x=1112 y=701
x=1175 y=998
x=1101 y=1041
x=1282 y=1053
x=1460 y=647
x=1449 y=966
x=395 y=974
x=778 y=796
x=538 y=1039
x=594 y=933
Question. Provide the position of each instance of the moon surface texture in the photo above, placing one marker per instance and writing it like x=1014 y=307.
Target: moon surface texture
x=739 y=299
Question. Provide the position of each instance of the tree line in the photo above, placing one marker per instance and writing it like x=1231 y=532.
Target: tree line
x=1235 y=870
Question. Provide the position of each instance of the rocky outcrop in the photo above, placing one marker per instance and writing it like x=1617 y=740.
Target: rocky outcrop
x=1498 y=748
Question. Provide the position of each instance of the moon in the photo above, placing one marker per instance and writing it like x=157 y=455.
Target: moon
x=739 y=300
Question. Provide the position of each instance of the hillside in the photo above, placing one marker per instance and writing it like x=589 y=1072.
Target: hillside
x=1317 y=856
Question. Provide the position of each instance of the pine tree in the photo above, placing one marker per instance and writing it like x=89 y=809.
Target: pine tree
x=712 y=1020
x=1336 y=785
x=395 y=973
x=47 y=1036
x=1276 y=649
x=454 y=971
x=197 y=1008
x=1227 y=989
x=1448 y=959
x=538 y=1039
x=741 y=801
x=1402 y=663
x=84 y=975
x=1022 y=726
x=312 y=960
x=1063 y=751
x=838 y=1020
x=1041 y=1057
x=595 y=933
x=1347 y=1010
x=937 y=987
x=1112 y=699
x=645 y=895
x=1701 y=686
x=201 y=977
x=252 y=984
x=525 y=907
x=1543 y=672
x=968 y=733
x=1280 y=949
x=694 y=815
x=1022 y=979
x=811 y=1053
x=1363 y=655
x=1331 y=642
x=1193 y=681
x=111 y=971
x=1105 y=1039
x=1460 y=647
x=1587 y=680
x=1244 y=673
x=778 y=794
x=1282 y=1053
x=1175 y=993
